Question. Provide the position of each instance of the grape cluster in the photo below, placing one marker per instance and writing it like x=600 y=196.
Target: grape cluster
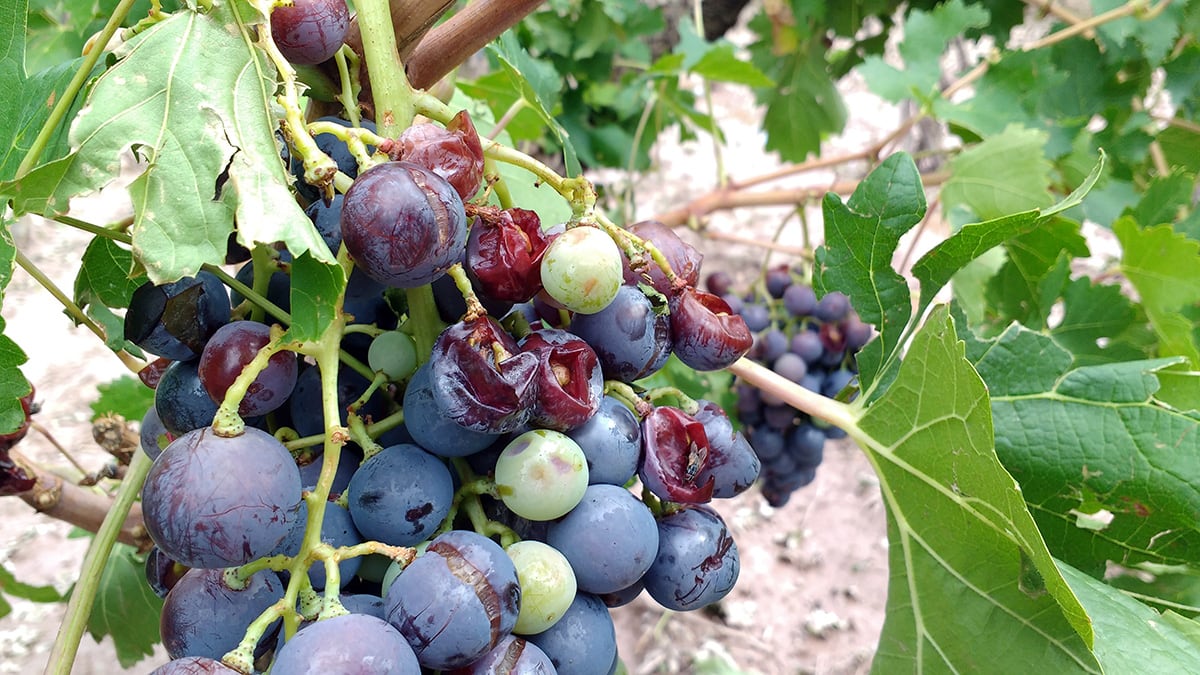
x=494 y=471
x=810 y=342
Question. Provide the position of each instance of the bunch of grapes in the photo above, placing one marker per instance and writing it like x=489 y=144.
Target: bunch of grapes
x=810 y=342
x=480 y=516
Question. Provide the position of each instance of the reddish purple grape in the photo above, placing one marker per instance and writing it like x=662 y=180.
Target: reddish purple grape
x=685 y=260
x=162 y=573
x=676 y=453
x=227 y=353
x=453 y=152
x=403 y=224
x=480 y=379
x=708 y=335
x=719 y=283
x=569 y=381
x=194 y=665
x=310 y=31
x=504 y=253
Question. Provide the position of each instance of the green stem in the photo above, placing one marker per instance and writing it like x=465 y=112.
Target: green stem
x=79 y=608
x=475 y=308
x=348 y=96
x=393 y=97
x=227 y=422
x=423 y=319
x=98 y=230
x=73 y=87
x=72 y=309
x=836 y=413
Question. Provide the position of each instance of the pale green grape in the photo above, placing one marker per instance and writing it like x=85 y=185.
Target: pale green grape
x=582 y=270
x=541 y=474
x=394 y=353
x=547 y=585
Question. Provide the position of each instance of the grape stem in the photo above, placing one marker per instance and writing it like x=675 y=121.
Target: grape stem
x=678 y=399
x=358 y=433
x=392 y=94
x=227 y=422
x=628 y=397
x=79 y=608
x=836 y=413
x=475 y=308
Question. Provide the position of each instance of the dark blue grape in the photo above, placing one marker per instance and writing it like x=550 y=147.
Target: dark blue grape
x=832 y=307
x=430 y=428
x=456 y=601
x=630 y=338
x=583 y=641
x=624 y=596
x=352 y=643
x=771 y=345
x=836 y=381
x=791 y=366
x=279 y=286
x=162 y=573
x=152 y=432
x=778 y=280
x=305 y=403
x=204 y=616
x=400 y=496
x=857 y=333
x=363 y=603
x=813 y=381
x=779 y=417
x=756 y=316
x=348 y=463
x=175 y=320
x=805 y=445
x=337 y=150
x=768 y=443
x=612 y=442
x=337 y=529
x=807 y=345
x=719 y=283
x=327 y=218
x=697 y=562
x=799 y=300
x=211 y=501
x=180 y=400
x=610 y=539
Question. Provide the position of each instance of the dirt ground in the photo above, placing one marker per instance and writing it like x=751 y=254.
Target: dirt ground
x=813 y=581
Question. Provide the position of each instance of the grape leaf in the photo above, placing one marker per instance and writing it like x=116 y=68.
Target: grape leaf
x=804 y=105
x=13 y=384
x=1099 y=324
x=9 y=585
x=126 y=396
x=1156 y=35
x=125 y=607
x=1164 y=267
x=316 y=288
x=540 y=87
x=927 y=34
x=1092 y=438
x=861 y=236
x=1165 y=199
x=192 y=97
x=1131 y=637
x=104 y=275
x=1004 y=174
x=968 y=567
x=716 y=60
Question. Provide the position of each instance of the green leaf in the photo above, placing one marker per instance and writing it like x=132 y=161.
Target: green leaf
x=1131 y=637
x=1091 y=438
x=1099 y=324
x=17 y=589
x=126 y=396
x=104 y=275
x=192 y=97
x=861 y=236
x=804 y=106
x=1165 y=199
x=1004 y=174
x=716 y=60
x=316 y=288
x=968 y=568
x=13 y=384
x=927 y=35
x=125 y=607
x=1156 y=36
x=1036 y=271
x=1164 y=267
x=540 y=86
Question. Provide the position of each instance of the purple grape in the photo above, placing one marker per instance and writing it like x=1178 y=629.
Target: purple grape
x=480 y=379
x=836 y=381
x=779 y=416
x=697 y=562
x=807 y=345
x=767 y=443
x=456 y=601
x=569 y=381
x=229 y=350
x=630 y=338
x=778 y=281
x=675 y=450
x=857 y=333
x=583 y=641
x=151 y=431
x=162 y=573
x=771 y=345
x=791 y=366
x=400 y=496
x=719 y=283
x=707 y=334
x=353 y=644
x=832 y=307
x=308 y=32
x=279 y=285
x=305 y=405
x=204 y=616
x=756 y=316
x=799 y=300
x=624 y=596
x=731 y=462
x=327 y=218
x=175 y=320
x=211 y=501
x=512 y=656
x=364 y=603
x=609 y=538
x=403 y=224
x=348 y=463
x=805 y=445
x=611 y=441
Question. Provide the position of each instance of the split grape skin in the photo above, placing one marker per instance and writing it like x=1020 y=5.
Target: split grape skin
x=433 y=430
x=175 y=320
x=569 y=382
x=731 y=461
x=676 y=450
x=453 y=152
x=480 y=378
x=683 y=258
x=194 y=665
x=512 y=656
x=697 y=562
x=707 y=334
x=504 y=253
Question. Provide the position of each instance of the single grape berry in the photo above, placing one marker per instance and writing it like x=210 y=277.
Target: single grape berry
x=403 y=224
x=541 y=474
x=229 y=350
x=454 y=152
x=309 y=31
x=582 y=270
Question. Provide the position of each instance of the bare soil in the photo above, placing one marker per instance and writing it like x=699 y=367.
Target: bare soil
x=813 y=582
